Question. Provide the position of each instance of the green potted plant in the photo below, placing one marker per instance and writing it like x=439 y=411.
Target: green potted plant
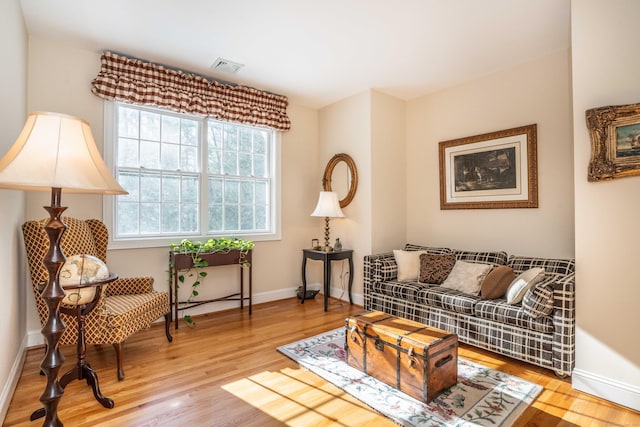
x=195 y=249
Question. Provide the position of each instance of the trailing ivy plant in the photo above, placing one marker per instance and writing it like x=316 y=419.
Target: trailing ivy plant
x=196 y=249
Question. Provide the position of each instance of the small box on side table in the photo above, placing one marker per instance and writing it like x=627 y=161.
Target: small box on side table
x=418 y=360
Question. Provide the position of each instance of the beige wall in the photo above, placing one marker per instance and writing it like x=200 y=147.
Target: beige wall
x=370 y=127
x=388 y=189
x=13 y=112
x=345 y=127
x=605 y=72
x=59 y=80
x=537 y=92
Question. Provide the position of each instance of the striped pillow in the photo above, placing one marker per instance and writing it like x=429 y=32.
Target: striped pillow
x=538 y=301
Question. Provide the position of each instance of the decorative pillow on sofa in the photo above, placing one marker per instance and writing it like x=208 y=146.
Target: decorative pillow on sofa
x=467 y=277
x=497 y=282
x=538 y=301
x=522 y=283
x=435 y=268
x=408 y=264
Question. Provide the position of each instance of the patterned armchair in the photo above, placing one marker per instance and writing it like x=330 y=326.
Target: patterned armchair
x=125 y=306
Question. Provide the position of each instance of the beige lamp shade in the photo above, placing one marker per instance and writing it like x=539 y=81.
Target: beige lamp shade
x=328 y=205
x=56 y=151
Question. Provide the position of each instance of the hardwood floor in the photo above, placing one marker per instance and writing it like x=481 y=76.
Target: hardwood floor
x=226 y=372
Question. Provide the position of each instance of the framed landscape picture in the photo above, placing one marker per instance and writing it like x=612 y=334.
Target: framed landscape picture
x=615 y=141
x=495 y=170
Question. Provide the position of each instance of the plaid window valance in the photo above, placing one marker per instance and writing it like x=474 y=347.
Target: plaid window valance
x=132 y=80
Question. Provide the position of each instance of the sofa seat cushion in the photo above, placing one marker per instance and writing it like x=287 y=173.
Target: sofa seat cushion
x=448 y=299
x=500 y=311
x=407 y=291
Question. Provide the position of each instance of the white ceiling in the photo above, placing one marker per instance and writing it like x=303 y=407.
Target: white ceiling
x=316 y=51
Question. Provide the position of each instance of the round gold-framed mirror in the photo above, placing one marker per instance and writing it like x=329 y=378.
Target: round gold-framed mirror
x=341 y=176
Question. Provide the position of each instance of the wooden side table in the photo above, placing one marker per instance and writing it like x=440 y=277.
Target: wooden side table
x=326 y=258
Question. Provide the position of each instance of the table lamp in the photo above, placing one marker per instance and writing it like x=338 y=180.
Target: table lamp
x=329 y=207
x=55 y=152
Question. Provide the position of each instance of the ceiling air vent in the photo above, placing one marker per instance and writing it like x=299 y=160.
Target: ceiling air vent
x=226 y=66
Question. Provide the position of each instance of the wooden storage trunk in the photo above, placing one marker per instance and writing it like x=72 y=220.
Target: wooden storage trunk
x=416 y=359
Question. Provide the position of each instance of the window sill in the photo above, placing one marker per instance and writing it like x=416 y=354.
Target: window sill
x=165 y=242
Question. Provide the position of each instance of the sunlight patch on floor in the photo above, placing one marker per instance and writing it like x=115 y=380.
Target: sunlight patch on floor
x=297 y=397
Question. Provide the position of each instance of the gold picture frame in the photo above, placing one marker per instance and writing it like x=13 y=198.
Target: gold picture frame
x=494 y=170
x=615 y=141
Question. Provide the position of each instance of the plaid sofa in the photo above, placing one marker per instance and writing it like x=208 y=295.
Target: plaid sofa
x=541 y=330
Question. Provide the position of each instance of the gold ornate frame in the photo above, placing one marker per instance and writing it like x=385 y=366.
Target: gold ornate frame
x=615 y=141
x=353 y=173
x=517 y=145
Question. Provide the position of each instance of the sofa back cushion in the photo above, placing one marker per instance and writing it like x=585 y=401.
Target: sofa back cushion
x=428 y=249
x=489 y=257
x=550 y=265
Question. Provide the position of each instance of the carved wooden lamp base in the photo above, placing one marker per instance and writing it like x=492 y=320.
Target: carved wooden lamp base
x=52 y=296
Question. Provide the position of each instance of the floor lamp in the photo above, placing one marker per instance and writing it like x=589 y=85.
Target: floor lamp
x=55 y=152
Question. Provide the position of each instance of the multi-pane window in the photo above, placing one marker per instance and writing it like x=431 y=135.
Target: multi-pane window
x=238 y=174
x=190 y=176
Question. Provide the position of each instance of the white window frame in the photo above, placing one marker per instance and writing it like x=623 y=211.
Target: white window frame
x=109 y=202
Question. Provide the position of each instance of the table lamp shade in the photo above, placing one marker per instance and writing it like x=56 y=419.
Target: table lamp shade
x=56 y=151
x=328 y=205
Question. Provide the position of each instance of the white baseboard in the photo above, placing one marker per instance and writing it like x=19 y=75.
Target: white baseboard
x=614 y=391
x=257 y=299
x=14 y=375
x=344 y=296
x=273 y=296
x=35 y=338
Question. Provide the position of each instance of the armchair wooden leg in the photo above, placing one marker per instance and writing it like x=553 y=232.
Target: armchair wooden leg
x=167 y=323
x=118 y=348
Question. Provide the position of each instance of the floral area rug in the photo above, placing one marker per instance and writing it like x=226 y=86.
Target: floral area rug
x=482 y=396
